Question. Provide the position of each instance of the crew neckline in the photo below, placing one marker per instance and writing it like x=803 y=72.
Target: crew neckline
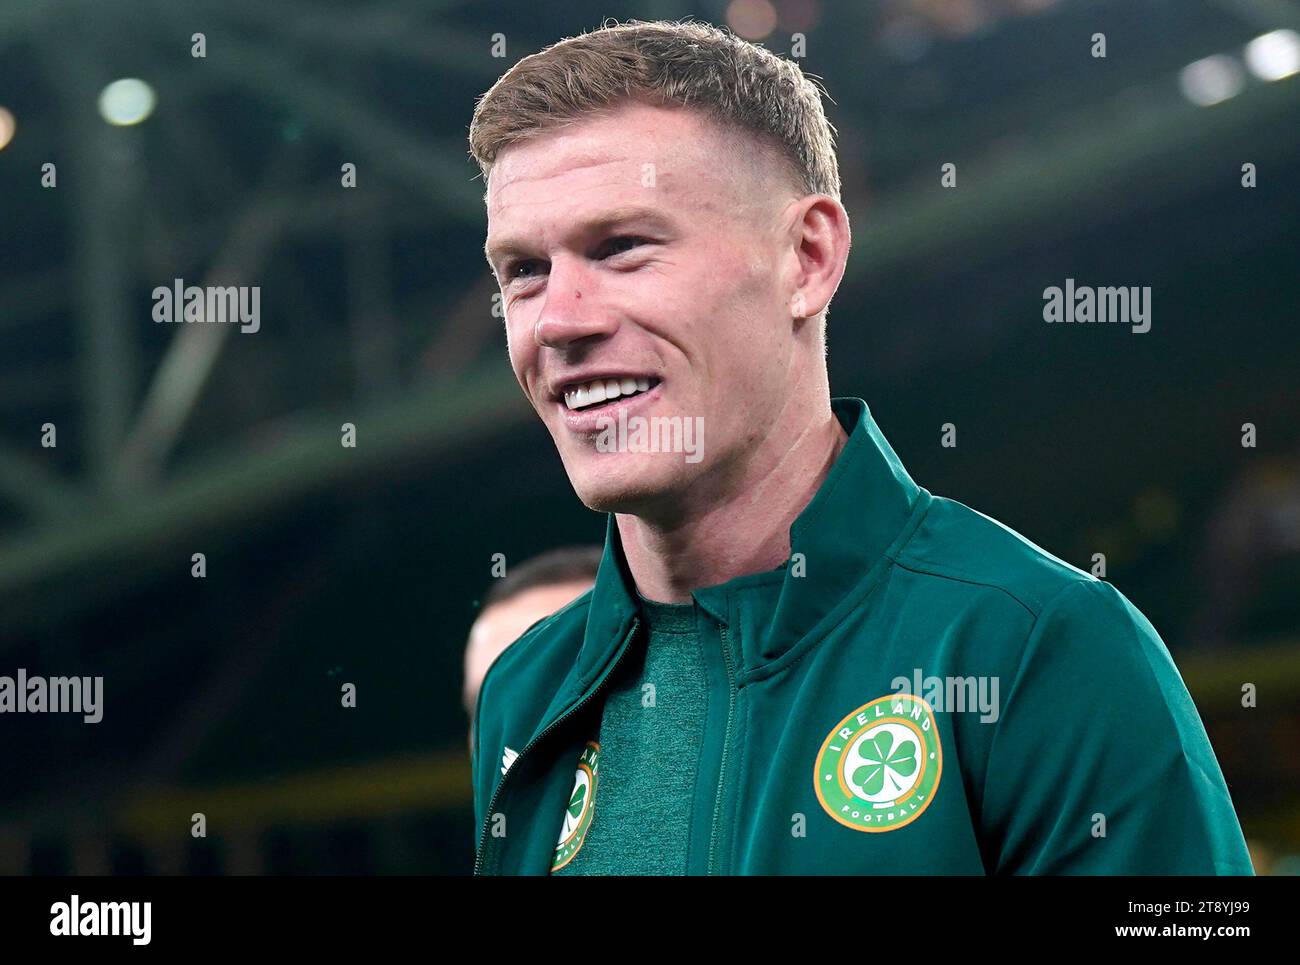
x=668 y=617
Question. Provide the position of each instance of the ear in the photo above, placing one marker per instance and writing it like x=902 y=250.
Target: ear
x=821 y=238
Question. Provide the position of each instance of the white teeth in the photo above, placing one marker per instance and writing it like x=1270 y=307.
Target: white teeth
x=604 y=390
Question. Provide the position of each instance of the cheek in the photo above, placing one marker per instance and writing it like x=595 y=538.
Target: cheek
x=512 y=341
x=751 y=361
x=747 y=315
x=521 y=349
x=518 y=328
x=512 y=350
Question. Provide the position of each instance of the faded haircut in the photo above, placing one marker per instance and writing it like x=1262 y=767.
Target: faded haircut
x=744 y=88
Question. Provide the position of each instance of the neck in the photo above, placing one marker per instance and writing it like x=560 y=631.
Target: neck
x=744 y=530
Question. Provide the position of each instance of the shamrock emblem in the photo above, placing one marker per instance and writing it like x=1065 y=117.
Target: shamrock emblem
x=575 y=802
x=882 y=757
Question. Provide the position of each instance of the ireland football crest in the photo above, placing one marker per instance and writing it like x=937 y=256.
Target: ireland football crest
x=879 y=768
x=581 y=807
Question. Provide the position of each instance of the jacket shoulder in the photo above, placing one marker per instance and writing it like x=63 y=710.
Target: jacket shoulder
x=544 y=652
x=955 y=542
x=517 y=689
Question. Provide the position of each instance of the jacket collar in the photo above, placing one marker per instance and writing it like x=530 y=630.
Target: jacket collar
x=840 y=544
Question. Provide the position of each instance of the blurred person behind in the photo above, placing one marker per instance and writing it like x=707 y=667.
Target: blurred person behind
x=528 y=593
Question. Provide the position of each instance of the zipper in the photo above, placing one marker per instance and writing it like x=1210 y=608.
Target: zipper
x=496 y=794
x=726 y=747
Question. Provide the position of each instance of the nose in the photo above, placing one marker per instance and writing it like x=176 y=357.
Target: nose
x=572 y=311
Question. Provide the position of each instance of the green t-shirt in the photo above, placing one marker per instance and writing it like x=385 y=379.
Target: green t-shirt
x=651 y=729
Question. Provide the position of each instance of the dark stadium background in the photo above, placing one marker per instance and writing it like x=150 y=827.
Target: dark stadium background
x=328 y=565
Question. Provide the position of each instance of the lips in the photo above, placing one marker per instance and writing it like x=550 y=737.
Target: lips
x=596 y=418
x=592 y=393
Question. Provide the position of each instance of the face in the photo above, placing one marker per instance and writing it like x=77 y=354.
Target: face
x=631 y=259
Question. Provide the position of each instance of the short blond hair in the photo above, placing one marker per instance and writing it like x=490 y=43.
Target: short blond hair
x=739 y=85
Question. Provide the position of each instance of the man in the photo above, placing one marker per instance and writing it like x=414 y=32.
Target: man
x=529 y=592
x=738 y=694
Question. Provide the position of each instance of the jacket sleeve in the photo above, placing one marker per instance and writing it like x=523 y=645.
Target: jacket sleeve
x=1100 y=763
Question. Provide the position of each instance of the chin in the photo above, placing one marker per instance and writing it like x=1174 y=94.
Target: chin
x=632 y=487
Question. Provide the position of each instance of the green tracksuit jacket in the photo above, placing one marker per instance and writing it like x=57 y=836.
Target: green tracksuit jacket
x=917 y=690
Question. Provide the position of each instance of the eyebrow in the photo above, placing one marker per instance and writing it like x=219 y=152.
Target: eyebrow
x=618 y=217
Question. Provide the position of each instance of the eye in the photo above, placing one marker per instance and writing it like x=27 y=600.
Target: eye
x=514 y=269
x=525 y=268
x=616 y=246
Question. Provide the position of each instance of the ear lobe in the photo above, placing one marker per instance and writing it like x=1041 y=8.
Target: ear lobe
x=799 y=306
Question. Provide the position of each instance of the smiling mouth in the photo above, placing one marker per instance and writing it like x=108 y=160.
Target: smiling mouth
x=589 y=396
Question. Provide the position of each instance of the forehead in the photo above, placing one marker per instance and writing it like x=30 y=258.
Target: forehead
x=657 y=155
